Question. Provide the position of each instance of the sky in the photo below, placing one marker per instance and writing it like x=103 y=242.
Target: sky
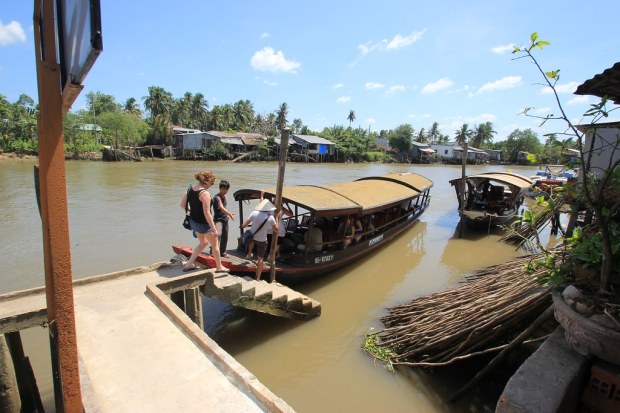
x=391 y=62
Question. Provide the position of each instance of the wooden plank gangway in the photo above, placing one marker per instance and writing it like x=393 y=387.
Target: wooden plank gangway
x=138 y=351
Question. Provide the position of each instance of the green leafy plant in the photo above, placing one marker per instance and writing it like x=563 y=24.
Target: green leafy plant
x=385 y=354
x=594 y=191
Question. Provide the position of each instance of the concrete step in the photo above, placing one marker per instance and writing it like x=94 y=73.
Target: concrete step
x=262 y=296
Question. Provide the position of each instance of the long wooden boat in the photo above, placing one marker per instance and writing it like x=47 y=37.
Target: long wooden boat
x=492 y=198
x=386 y=205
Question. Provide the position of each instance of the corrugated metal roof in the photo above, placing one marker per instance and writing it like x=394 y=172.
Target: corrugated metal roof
x=603 y=84
x=231 y=140
x=253 y=139
x=313 y=139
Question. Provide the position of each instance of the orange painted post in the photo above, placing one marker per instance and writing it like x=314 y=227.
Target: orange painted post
x=54 y=213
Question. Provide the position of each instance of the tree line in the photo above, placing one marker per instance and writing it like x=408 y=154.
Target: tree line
x=150 y=123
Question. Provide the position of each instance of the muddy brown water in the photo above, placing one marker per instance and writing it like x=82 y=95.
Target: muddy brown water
x=127 y=215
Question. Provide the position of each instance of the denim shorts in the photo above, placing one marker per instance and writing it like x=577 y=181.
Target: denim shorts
x=199 y=227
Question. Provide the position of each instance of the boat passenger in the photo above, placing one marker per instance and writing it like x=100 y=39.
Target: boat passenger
x=221 y=216
x=201 y=220
x=313 y=240
x=358 y=229
x=261 y=219
x=346 y=230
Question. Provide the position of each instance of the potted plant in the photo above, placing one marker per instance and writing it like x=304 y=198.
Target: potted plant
x=587 y=264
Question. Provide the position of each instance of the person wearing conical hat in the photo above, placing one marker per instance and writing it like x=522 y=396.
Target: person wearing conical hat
x=261 y=219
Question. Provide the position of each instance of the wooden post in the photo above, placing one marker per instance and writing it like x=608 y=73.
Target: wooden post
x=463 y=189
x=54 y=212
x=281 y=167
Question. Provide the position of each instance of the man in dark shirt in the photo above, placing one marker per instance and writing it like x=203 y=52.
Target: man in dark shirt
x=221 y=215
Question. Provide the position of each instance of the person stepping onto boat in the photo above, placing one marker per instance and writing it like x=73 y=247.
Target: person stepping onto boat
x=201 y=220
x=261 y=219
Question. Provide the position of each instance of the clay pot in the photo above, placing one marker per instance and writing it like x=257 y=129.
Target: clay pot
x=585 y=336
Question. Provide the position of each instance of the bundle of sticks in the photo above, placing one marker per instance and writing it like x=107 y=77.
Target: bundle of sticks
x=493 y=306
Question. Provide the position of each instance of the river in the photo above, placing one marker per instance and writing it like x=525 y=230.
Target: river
x=124 y=215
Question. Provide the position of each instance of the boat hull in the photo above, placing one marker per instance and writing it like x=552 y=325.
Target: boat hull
x=300 y=268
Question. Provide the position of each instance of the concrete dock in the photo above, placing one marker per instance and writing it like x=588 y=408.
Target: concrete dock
x=139 y=352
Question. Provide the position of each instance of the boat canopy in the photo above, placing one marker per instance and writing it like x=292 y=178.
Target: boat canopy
x=505 y=177
x=363 y=196
x=414 y=181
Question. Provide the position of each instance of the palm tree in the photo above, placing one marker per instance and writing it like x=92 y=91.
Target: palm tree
x=158 y=102
x=297 y=125
x=463 y=134
x=433 y=134
x=351 y=116
x=244 y=114
x=421 y=137
x=281 y=115
x=483 y=135
x=228 y=117
x=199 y=111
x=131 y=106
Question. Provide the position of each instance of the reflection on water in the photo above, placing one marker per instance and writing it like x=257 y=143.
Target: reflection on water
x=127 y=214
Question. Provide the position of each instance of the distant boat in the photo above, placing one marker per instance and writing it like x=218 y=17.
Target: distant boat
x=386 y=205
x=492 y=198
x=551 y=180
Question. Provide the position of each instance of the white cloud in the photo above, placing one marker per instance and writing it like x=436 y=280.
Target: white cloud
x=481 y=118
x=436 y=86
x=270 y=83
x=504 y=83
x=396 y=42
x=569 y=87
x=268 y=60
x=503 y=49
x=265 y=35
x=579 y=100
x=11 y=33
x=343 y=99
x=403 y=41
x=373 y=85
x=370 y=121
x=337 y=86
x=395 y=89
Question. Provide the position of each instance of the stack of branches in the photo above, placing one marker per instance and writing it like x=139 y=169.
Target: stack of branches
x=493 y=305
x=524 y=232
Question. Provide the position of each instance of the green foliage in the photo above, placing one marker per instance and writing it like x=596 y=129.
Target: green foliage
x=521 y=140
x=379 y=352
x=216 y=152
x=586 y=245
x=401 y=137
x=20 y=146
x=376 y=156
x=351 y=144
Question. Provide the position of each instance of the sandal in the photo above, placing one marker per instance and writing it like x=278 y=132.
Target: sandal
x=224 y=269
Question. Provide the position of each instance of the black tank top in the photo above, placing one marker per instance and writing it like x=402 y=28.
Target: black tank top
x=195 y=206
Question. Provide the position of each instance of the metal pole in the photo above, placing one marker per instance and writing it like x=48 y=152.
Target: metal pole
x=281 y=167
x=463 y=188
x=54 y=211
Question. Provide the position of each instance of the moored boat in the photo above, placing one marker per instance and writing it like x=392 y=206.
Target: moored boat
x=385 y=205
x=551 y=180
x=492 y=198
